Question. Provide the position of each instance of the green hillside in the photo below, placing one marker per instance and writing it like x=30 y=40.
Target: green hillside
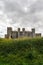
x=23 y=51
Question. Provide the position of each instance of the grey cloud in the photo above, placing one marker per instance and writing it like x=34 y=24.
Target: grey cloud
x=23 y=13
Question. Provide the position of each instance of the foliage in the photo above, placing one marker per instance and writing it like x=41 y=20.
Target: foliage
x=21 y=51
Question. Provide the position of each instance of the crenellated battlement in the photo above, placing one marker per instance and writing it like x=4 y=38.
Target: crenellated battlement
x=19 y=33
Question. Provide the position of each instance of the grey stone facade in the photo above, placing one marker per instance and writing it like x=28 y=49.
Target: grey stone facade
x=19 y=33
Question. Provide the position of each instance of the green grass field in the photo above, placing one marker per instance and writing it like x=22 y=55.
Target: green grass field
x=23 y=51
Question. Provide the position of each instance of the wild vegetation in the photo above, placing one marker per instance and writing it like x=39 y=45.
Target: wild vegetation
x=23 y=51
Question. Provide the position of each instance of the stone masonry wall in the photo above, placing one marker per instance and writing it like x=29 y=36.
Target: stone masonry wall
x=23 y=33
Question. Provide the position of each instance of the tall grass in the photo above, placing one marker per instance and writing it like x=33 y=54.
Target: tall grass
x=21 y=51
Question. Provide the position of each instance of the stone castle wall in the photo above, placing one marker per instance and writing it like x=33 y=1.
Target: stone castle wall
x=23 y=33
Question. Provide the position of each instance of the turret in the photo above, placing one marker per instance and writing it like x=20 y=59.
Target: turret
x=23 y=30
x=18 y=32
x=9 y=30
x=18 y=29
x=33 y=32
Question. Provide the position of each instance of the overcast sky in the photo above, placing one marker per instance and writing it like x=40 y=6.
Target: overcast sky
x=21 y=13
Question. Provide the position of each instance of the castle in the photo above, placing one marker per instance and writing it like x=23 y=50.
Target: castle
x=19 y=33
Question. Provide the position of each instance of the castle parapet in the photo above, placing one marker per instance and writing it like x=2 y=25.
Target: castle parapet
x=19 y=33
x=38 y=34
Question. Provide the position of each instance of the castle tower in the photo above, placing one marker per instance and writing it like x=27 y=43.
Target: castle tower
x=33 y=32
x=6 y=36
x=9 y=30
x=23 y=30
x=18 y=32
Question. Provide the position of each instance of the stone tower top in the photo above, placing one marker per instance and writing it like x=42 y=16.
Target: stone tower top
x=9 y=29
x=33 y=29
x=23 y=29
x=19 y=33
x=18 y=29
